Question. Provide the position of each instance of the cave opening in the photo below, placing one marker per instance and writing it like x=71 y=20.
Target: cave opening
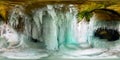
x=109 y=34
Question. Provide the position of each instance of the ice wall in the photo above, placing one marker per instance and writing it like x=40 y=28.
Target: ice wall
x=57 y=22
x=53 y=25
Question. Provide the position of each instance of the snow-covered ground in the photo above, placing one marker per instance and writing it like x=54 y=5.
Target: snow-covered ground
x=58 y=55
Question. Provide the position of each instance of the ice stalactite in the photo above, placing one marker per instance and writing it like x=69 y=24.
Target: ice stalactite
x=45 y=19
x=53 y=25
x=37 y=26
x=20 y=21
x=66 y=28
x=82 y=30
x=57 y=24
x=50 y=29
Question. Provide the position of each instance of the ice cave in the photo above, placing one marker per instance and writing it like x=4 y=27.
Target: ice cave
x=59 y=29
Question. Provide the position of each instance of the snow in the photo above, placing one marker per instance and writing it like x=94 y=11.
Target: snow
x=26 y=54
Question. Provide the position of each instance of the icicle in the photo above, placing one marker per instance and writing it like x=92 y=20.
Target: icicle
x=35 y=32
x=15 y=14
x=83 y=27
x=50 y=30
x=65 y=28
x=52 y=24
x=52 y=12
x=40 y=16
x=28 y=27
x=82 y=30
x=69 y=38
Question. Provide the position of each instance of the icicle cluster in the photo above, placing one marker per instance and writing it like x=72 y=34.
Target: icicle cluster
x=56 y=24
x=53 y=25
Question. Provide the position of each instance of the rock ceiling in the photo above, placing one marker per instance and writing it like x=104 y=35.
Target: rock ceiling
x=83 y=5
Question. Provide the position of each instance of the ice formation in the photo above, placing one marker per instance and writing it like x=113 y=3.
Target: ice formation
x=95 y=24
x=53 y=28
x=53 y=25
x=10 y=35
x=82 y=29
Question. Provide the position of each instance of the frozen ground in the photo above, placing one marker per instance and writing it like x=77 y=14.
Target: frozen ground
x=11 y=54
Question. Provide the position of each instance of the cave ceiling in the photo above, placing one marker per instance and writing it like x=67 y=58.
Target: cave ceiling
x=82 y=5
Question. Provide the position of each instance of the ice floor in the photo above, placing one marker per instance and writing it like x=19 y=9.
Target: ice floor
x=33 y=54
